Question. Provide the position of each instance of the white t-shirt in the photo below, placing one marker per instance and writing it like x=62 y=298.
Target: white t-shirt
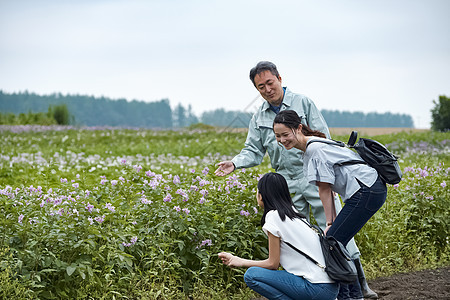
x=300 y=235
x=320 y=164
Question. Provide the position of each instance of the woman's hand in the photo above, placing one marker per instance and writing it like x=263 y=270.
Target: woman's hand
x=326 y=229
x=230 y=260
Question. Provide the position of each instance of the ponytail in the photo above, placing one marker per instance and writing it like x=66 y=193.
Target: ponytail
x=291 y=119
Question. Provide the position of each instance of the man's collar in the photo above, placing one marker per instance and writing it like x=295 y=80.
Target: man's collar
x=287 y=100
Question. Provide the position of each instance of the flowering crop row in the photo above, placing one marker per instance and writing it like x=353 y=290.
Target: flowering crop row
x=136 y=213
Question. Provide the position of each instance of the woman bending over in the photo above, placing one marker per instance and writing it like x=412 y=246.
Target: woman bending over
x=359 y=185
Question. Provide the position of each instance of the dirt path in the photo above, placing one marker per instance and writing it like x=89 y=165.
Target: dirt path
x=427 y=284
x=423 y=285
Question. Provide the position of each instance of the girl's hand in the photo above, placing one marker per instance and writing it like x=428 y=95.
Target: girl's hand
x=230 y=260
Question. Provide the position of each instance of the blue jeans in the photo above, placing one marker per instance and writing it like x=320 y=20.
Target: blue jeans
x=358 y=210
x=355 y=213
x=279 y=284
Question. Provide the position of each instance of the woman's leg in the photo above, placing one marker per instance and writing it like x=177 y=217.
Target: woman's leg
x=358 y=210
x=277 y=284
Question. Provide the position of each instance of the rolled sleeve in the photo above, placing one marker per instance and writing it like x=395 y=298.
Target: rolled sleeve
x=317 y=170
x=270 y=225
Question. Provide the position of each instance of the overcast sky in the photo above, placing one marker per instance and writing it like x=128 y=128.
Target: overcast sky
x=353 y=55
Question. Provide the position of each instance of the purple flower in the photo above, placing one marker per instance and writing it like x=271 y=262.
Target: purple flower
x=244 y=213
x=63 y=180
x=192 y=171
x=206 y=242
x=138 y=168
x=76 y=185
x=89 y=207
x=396 y=186
x=443 y=184
x=177 y=208
x=176 y=179
x=168 y=198
x=204 y=192
x=423 y=173
x=186 y=210
x=123 y=161
x=100 y=219
x=149 y=173
x=144 y=200
x=103 y=181
x=87 y=193
x=182 y=194
x=114 y=182
x=20 y=218
x=205 y=171
x=131 y=243
x=110 y=207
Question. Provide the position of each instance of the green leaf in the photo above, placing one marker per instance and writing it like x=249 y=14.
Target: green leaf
x=70 y=270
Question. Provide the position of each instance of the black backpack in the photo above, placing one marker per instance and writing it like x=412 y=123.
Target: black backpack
x=374 y=154
x=338 y=263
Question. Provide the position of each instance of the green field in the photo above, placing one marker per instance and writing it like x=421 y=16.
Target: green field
x=107 y=213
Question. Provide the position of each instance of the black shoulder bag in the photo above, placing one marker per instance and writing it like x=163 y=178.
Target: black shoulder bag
x=374 y=154
x=338 y=263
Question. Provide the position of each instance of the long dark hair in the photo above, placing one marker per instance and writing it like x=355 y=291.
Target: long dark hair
x=275 y=196
x=291 y=119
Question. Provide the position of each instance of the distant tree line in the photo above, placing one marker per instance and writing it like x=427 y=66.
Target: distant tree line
x=440 y=114
x=56 y=115
x=92 y=111
x=336 y=118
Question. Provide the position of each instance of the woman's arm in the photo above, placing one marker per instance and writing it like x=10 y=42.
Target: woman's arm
x=272 y=262
x=327 y=198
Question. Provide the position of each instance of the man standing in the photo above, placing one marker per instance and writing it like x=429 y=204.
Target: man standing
x=289 y=163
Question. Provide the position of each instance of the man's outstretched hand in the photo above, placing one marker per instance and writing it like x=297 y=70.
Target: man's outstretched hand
x=225 y=168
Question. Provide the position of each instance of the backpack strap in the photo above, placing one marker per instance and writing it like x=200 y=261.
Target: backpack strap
x=325 y=141
x=340 y=144
x=303 y=253
x=306 y=255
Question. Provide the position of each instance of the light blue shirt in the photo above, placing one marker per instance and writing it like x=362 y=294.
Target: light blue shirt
x=261 y=139
x=320 y=164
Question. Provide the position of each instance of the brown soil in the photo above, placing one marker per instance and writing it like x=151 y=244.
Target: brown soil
x=423 y=285
x=427 y=284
